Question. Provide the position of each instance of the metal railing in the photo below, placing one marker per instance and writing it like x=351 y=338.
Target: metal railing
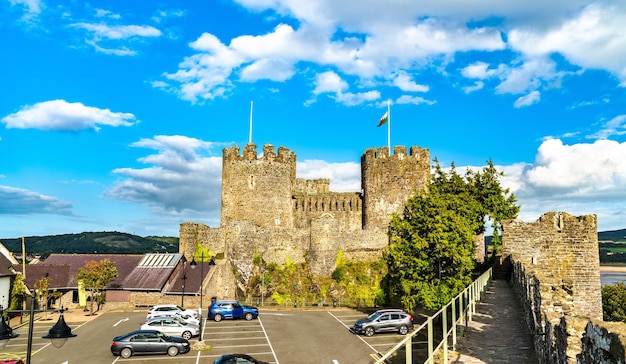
x=459 y=309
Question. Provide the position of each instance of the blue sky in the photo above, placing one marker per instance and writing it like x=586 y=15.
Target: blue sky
x=114 y=114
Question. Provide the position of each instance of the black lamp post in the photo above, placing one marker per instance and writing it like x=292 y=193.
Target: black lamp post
x=58 y=334
x=193 y=266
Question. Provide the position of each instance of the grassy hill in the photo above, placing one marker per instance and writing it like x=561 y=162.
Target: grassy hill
x=93 y=242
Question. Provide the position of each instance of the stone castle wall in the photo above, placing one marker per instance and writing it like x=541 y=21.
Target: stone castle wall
x=556 y=277
x=266 y=210
x=388 y=180
x=564 y=249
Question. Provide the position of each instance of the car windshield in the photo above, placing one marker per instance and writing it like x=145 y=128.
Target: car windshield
x=163 y=336
x=374 y=316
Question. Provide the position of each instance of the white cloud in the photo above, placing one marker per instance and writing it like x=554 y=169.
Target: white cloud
x=527 y=100
x=415 y=100
x=383 y=43
x=613 y=127
x=179 y=178
x=404 y=82
x=61 y=115
x=478 y=85
x=113 y=35
x=580 y=179
x=329 y=81
x=32 y=7
x=17 y=201
x=592 y=39
x=344 y=177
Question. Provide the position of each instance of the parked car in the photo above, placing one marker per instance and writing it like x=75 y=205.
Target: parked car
x=179 y=316
x=238 y=359
x=172 y=326
x=171 y=310
x=387 y=320
x=144 y=342
x=219 y=310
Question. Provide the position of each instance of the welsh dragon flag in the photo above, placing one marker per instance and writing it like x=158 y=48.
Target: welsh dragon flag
x=383 y=119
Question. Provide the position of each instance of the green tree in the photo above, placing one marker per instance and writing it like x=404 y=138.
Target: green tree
x=95 y=277
x=430 y=258
x=495 y=202
x=42 y=287
x=18 y=291
x=614 y=302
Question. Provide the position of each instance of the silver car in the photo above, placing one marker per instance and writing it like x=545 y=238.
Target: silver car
x=178 y=316
x=172 y=327
x=388 y=320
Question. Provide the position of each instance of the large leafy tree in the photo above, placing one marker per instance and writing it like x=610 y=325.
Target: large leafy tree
x=95 y=276
x=614 y=302
x=430 y=258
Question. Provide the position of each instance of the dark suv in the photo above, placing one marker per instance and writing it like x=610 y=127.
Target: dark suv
x=387 y=320
x=231 y=310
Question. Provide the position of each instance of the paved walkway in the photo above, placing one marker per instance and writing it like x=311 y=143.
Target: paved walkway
x=497 y=333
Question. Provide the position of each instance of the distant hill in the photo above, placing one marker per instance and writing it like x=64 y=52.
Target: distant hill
x=615 y=236
x=108 y=242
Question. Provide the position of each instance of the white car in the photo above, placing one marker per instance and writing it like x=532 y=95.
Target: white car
x=172 y=327
x=171 y=310
x=179 y=316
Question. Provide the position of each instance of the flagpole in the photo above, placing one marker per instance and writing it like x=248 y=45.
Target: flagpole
x=389 y=127
x=250 y=136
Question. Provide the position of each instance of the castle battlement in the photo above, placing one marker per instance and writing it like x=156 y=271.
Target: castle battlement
x=250 y=153
x=399 y=152
x=312 y=186
x=331 y=202
x=267 y=211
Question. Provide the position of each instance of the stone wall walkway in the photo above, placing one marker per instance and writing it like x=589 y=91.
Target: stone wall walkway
x=497 y=333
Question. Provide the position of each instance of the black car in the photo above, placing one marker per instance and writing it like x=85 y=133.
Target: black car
x=238 y=359
x=145 y=342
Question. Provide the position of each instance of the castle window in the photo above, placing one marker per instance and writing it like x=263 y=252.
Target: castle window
x=251 y=182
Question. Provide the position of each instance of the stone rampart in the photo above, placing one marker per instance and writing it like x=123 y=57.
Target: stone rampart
x=556 y=277
x=267 y=212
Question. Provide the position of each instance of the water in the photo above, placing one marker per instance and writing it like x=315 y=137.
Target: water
x=609 y=277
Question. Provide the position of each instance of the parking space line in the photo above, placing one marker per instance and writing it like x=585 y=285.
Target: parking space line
x=268 y=340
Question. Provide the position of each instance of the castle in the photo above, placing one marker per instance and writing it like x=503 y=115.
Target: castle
x=269 y=212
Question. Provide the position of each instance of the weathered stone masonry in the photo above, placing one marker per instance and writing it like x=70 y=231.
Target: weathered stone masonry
x=266 y=210
x=556 y=277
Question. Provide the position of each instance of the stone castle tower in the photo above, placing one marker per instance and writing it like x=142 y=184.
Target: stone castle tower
x=267 y=211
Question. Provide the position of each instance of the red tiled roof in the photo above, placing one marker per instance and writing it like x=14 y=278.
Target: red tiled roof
x=123 y=263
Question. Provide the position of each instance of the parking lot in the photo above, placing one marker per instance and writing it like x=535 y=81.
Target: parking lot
x=277 y=336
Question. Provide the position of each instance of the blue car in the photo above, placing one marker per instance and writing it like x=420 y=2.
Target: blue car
x=220 y=310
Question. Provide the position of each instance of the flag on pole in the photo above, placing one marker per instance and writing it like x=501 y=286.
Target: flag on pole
x=383 y=119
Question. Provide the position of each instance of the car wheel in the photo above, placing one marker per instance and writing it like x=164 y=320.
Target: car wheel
x=403 y=330
x=172 y=351
x=186 y=335
x=248 y=316
x=369 y=331
x=126 y=353
x=218 y=317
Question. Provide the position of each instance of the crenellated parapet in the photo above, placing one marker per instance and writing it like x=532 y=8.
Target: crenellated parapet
x=267 y=211
x=312 y=187
x=250 y=153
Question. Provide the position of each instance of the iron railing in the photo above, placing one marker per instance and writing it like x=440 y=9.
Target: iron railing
x=455 y=315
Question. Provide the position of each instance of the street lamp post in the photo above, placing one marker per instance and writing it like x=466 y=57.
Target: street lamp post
x=58 y=334
x=193 y=266
x=182 y=298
